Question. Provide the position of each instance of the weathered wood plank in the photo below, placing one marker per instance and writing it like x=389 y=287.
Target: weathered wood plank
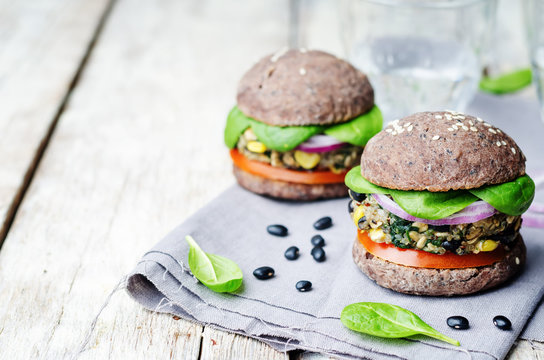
x=219 y=345
x=42 y=45
x=138 y=148
x=126 y=330
x=522 y=350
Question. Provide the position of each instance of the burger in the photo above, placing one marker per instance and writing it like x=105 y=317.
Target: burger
x=437 y=201
x=301 y=121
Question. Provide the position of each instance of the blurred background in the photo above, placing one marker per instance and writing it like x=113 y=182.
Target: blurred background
x=424 y=55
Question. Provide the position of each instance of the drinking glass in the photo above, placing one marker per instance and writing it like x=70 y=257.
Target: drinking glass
x=534 y=20
x=419 y=54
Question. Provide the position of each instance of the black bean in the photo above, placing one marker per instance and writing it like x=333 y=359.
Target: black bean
x=277 y=230
x=292 y=253
x=458 y=322
x=323 y=223
x=506 y=237
x=357 y=196
x=304 y=285
x=361 y=223
x=440 y=228
x=451 y=245
x=318 y=254
x=502 y=322
x=263 y=273
x=317 y=240
x=351 y=206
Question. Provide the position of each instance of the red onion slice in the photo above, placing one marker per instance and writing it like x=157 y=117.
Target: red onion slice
x=536 y=207
x=320 y=143
x=539 y=179
x=474 y=212
x=533 y=220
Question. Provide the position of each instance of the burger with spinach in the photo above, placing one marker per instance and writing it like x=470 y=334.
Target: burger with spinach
x=437 y=201
x=301 y=122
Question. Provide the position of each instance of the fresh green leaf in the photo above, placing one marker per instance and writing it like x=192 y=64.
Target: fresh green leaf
x=359 y=130
x=512 y=198
x=283 y=138
x=388 y=321
x=237 y=123
x=421 y=204
x=432 y=205
x=274 y=137
x=216 y=272
x=507 y=83
x=356 y=182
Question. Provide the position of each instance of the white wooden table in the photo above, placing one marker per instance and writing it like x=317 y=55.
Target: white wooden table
x=111 y=116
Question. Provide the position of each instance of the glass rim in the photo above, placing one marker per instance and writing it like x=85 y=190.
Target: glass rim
x=431 y=4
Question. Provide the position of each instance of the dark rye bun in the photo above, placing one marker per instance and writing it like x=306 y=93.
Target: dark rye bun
x=299 y=87
x=288 y=190
x=439 y=282
x=441 y=151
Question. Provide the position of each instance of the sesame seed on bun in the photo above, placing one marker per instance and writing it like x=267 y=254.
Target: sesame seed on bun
x=441 y=151
x=304 y=87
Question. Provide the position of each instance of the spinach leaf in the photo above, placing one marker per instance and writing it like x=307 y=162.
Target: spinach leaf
x=421 y=204
x=356 y=182
x=216 y=272
x=274 y=137
x=432 y=205
x=237 y=123
x=359 y=130
x=512 y=198
x=283 y=138
x=399 y=229
x=507 y=83
x=388 y=321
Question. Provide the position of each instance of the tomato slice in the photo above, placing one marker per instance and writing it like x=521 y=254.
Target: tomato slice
x=270 y=172
x=423 y=259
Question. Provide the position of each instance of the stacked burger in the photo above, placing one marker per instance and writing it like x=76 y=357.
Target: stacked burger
x=437 y=201
x=301 y=122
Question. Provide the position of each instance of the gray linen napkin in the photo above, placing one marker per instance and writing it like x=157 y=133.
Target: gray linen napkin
x=519 y=116
x=234 y=225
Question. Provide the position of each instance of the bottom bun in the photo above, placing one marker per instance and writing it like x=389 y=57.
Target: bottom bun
x=288 y=190
x=439 y=282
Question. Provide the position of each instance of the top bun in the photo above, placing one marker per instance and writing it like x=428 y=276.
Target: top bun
x=299 y=87
x=441 y=151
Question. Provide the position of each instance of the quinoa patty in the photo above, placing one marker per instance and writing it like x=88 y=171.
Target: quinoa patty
x=337 y=161
x=484 y=235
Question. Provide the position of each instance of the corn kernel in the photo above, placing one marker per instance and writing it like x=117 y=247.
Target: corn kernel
x=336 y=170
x=376 y=235
x=307 y=160
x=358 y=214
x=256 y=147
x=488 y=245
